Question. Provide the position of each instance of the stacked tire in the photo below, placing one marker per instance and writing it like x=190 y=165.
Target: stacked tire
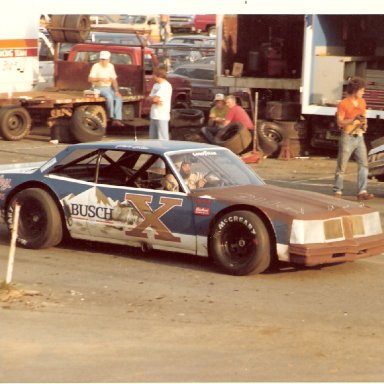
x=284 y=125
x=70 y=28
x=234 y=136
x=185 y=125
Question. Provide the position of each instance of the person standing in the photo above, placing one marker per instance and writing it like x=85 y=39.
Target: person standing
x=351 y=119
x=103 y=77
x=160 y=98
x=163 y=26
x=236 y=113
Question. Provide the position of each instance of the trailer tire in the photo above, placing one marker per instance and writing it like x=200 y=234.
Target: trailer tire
x=79 y=26
x=62 y=131
x=57 y=21
x=98 y=111
x=15 y=123
x=86 y=126
x=40 y=224
x=235 y=136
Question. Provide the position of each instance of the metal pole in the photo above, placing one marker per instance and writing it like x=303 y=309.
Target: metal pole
x=11 y=257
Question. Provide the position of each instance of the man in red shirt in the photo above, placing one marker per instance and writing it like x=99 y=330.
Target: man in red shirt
x=236 y=113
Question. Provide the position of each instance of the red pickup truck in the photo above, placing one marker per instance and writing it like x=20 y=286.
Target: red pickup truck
x=132 y=56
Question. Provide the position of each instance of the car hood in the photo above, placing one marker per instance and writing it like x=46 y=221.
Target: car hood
x=285 y=201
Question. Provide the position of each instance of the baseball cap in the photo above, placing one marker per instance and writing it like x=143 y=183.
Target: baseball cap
x=105 y=55
x=219 y=96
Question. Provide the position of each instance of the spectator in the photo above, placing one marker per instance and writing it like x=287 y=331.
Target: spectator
x=160 y=97
x=236 y=113
x=216 y=118
x=351 y=119
x=164 y=20
x=103 y=77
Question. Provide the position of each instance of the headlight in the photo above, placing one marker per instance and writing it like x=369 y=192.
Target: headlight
x=335 y=229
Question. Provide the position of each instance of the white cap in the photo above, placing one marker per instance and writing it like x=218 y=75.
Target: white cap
x=219 y=96
x=105 y=55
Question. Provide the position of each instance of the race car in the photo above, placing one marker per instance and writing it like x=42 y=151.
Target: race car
x=183 y=197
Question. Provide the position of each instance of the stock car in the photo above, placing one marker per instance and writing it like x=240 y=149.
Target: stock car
x=114 y=192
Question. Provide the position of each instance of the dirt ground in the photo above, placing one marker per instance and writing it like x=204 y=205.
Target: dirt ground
x=86 y=312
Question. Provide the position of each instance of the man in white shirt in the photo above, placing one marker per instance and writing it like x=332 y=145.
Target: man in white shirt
x=160 y=97
x=103 y=77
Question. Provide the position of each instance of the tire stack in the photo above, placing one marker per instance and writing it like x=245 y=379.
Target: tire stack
x=234 y=136
x=185 y=125
x=283 y=125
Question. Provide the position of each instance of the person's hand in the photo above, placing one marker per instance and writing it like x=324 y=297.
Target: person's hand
x=201 y=183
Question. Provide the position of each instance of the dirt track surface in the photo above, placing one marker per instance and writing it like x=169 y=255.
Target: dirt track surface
x=86 y=312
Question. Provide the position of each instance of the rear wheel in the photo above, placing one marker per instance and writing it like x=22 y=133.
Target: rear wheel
x=15 y=123
x=239 y=244
x=39 y=221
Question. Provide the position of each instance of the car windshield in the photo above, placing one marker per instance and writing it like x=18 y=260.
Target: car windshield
x=220 y=168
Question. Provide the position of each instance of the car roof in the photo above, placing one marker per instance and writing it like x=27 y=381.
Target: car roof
x=158 y=147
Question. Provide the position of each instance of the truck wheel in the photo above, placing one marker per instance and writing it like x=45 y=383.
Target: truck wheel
x=86 y=126
x=57 y=21
x=78 y=28
x=239 y=243
x=40 y=223
x=234 y=136
x=98 y=111
x=15 y=123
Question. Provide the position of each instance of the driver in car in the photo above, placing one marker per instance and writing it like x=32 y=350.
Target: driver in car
x=194 y=180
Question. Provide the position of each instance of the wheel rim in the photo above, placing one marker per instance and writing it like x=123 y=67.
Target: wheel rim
x=32 y=219
x=15 y=123
x=238 y=244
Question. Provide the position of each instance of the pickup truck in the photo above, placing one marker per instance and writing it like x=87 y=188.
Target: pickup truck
x=193 y=23
x=132 y=56
x=68 y=101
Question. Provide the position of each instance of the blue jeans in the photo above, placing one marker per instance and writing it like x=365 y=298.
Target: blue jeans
x=158 y=129
x=348 y=146
x=114 y=103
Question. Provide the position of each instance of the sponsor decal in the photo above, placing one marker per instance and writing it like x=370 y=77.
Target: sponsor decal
x=202 y=211
x=204 y=154
x=4 y=183
x=152 y=218
x=91 y=211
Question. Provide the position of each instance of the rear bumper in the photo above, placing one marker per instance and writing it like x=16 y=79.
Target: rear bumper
x=348 y=250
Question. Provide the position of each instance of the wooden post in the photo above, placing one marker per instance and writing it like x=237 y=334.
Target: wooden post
x=11 y=257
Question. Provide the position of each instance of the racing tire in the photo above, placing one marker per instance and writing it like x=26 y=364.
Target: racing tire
x=78 y=27
x=239 y=244
x=270 y=137
x=57 y=35
x=86 y=127
x=15 y=123
x=235 y=136
x=98 y=111
x=40 y=224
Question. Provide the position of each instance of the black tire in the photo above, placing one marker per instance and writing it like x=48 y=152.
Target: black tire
x=98 y=111
x=61 y=131
x=239 y=244
x=57 y=21
x=270 y=137
x=15 y=123
x=187 y=117
x=234 y=136
x=86 y=127
x=40 y=223
x=78 y=27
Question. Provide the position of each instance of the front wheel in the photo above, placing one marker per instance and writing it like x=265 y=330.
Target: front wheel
x=15 y=123
x=40 y=223
x=240 y=244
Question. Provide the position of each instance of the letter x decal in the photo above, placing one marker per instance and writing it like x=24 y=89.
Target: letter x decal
x=152 y=218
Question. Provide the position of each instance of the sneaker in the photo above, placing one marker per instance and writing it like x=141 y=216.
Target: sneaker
x=53 y=141
x=117 y=123
x=365 y=196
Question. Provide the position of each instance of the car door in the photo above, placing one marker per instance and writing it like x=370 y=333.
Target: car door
x=139 y=211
